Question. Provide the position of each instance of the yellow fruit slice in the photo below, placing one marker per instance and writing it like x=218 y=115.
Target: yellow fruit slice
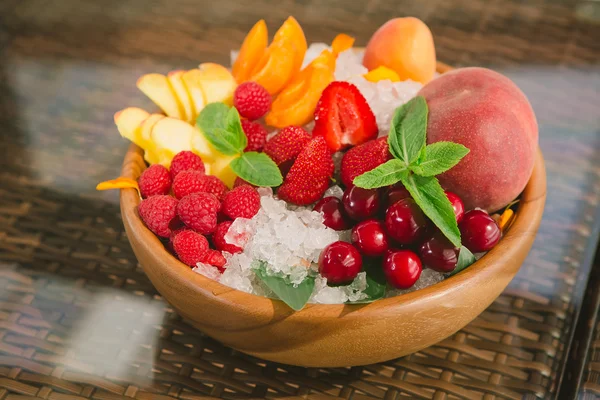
x=191 y=80
x=128 y=120
x=341 y=42
x=119 y=183
x=203 y=148
x=160 y=91
x=221 y=169
x=170 y=136
x=382 y=73
x=185 y=99
x=217 y=83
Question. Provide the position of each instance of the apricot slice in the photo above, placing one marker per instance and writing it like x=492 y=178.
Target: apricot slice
x=158 y=89
x=291 y=33
x=404 y=45
x=253 y=48
x=341 y=42
x=275 y=69
x=296 y=104
x=381 y=73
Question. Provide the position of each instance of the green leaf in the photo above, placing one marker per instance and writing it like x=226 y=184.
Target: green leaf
x=439 y=158
x=257 y=169
x=221 y=126
x=409 y=130
x=295 y=296
x=465 y=258
x=376 y=282
x=430 y=197
x=386 y=174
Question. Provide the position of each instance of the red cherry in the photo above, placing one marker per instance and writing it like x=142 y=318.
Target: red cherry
x=457 y=205
x=395 y=194
x=360 y=203
x=405 y=222
x=479 y=231
x=370 y=238
x=340 y=262
x=402 y=268
x=333 y=213
x=438 y=253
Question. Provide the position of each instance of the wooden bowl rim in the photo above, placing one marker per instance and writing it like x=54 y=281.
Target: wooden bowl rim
x=527 y=219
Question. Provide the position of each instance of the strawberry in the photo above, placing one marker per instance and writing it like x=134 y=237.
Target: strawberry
x=363 y=158
x=309 y=175
x=343 y=117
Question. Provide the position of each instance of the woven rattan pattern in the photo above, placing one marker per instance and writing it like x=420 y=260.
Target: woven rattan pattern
x=78 y=319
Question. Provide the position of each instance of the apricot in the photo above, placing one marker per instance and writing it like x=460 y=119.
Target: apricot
x=486 y=112
x=404 y=45
x=253 y=48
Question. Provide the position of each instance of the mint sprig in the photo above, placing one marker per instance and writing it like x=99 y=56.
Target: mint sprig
x=294 y=295
x=415 y=164
x=222 y=127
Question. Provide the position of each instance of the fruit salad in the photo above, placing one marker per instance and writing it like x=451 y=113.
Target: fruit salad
x=328 y=173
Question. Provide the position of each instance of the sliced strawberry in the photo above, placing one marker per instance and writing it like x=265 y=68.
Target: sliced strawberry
x=309 y=176
x=286 y=144
x=343 y=117
x=363 y=158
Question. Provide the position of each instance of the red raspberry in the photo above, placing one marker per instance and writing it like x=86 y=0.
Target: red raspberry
x=219 y=241
x=239 y=182
x=241 y=202
x=159 y=213
x=155 y=180
x=185 y=161
x=251 y=100
x=199 y=212
x=191 y=247
x=256 y=134
x=188 y=182
x=215 y=258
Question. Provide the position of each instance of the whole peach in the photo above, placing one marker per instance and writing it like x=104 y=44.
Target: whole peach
x=486 y=112
x=404 y=45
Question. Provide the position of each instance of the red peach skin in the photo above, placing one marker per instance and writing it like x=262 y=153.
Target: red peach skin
x=489 y=114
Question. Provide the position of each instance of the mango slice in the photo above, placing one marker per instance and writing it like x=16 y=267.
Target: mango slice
x=253 y=48
x=158 y=88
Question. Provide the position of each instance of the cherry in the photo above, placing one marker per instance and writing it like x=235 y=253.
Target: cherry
x=395 y=194
x=402 y=268
x=334 y=216
x=370 y=238
x=438 y=253
x=340 y=262
x=405 y=222
x=360 y=203
x=457 y=205
x=479 y=231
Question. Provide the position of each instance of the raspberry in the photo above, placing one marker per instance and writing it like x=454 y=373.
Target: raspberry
x=191 y=247
x=188 y=182
x=185 y=161
x=251 y=100
x=155 y=180
x=239 y=182
x=219 y=241
x=199 y=212
x=241 y=202
x=215 y=258
x=256 y=134
x=159 y=214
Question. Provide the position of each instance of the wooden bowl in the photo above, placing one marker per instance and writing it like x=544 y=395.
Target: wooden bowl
x=333 y=335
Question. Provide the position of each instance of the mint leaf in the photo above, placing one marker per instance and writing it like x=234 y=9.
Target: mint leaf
x=465 y=258
x=295 y=296
x=430 y=197
x=257 y=169
x=376 y=282
x=386 y=174
x=409 y=130
x=222 y=128
x=439 y=158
